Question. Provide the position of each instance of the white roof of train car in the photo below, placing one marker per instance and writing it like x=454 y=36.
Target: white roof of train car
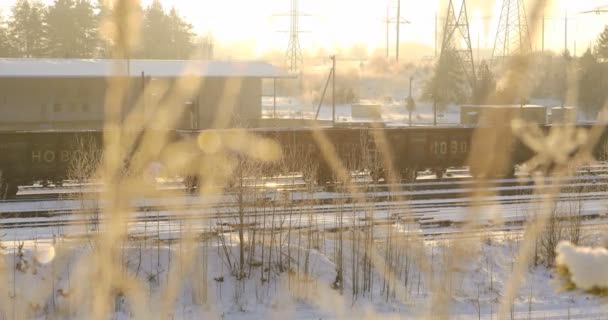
x=80 y=68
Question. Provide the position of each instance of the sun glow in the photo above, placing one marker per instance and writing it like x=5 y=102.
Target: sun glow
x=249 y=29
x=330 y=24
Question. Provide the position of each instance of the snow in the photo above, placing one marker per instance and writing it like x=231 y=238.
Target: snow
x=77 y=68
x=154 y=255
x=211 y=290
x=588 y=266
x=392 y=115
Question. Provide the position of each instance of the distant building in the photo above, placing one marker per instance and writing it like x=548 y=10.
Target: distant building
x=366 y=111
x=563 y=115
x=501 y=115
x=71 y=94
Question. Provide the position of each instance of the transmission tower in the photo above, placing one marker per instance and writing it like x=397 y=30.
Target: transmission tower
x=294 y=55
x=512 y=35
x=457 y=38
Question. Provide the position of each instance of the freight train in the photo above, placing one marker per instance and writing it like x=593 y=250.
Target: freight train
x=42 y=134
x=33 y=156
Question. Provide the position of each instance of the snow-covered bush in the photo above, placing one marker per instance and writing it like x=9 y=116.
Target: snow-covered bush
x=587 y=267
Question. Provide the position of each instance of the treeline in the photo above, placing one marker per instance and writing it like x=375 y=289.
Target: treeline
x=574 y=81
x=71 y=29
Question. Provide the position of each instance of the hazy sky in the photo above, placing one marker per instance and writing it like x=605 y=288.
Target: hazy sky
x=343 y=23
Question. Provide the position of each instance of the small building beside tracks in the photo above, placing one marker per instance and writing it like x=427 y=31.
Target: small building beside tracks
x=59 y=94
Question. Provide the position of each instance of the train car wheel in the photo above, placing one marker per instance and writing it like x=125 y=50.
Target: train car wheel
x=324 y=175
x=3 y=190
x=5 y=187
x=439 y=173
x=377 y=175
x=511 y=173
x=475 y=172
x=191 y=183
x=8 y=190
x=12 y=190
x=409 y=175
x=309 y=178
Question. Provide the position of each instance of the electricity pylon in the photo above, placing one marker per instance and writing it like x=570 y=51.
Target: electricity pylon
x=457 y=38
x=294 y=55
x=512 y=35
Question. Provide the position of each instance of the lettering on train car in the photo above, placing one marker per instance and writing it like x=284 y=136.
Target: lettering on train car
x=446 y=147
x=51 y=156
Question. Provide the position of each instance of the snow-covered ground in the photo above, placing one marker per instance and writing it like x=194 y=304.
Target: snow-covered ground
x=392 y=114
x=44 y=280
x=186 y=264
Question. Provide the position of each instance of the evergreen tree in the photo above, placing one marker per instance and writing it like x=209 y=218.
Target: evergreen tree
x=181 y=36
x=448 y=84
x=61 y=28
x=6 y=48
x=87 y=30
x=102 y=14
x=485 y=86
x=26 y=29
x=107 y=13
x=155 y=34
x=601 y=47
x=72 y=29
x=165 y=36
x=591 y=94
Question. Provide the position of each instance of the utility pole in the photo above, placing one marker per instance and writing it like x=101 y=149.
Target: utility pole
x=329 y=77
x=410 y=104
x=143 y=98
x=436 y=34
x=274 y=98
x=478 y=45
x=333 y=91
x=388 y=23
x=543 y=35
x=398 y=29
x=566 y=32
x=398 y=22
x=435 y=112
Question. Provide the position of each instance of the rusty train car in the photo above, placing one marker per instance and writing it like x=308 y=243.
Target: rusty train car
x=31 y=156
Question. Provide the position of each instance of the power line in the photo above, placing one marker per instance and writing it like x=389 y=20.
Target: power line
x=398 y=22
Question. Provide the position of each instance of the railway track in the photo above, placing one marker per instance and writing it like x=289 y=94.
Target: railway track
x=455 y=178
x=297 y=184
x=443 y=206
x=437 y=206
x=410 y=192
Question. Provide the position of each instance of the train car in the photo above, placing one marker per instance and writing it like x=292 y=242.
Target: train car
x=49 y=156
x=30 y=156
